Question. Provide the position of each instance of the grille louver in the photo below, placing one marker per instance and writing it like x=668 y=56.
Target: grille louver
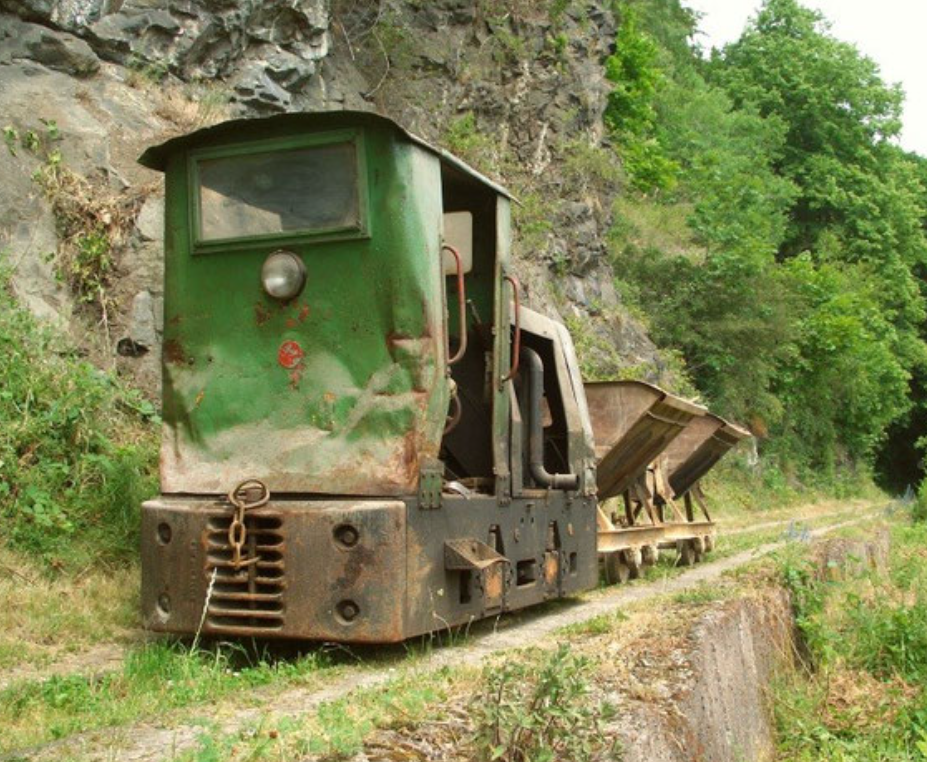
x=249 y=599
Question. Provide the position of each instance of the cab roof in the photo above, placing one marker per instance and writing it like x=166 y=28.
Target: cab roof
x=156 y=157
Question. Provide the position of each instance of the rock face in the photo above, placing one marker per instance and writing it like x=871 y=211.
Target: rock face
x=717 y=708
x=520 y=94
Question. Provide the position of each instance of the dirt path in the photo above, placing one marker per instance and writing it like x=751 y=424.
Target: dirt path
x=829 y=509
x=153 y=743
x=88 y=662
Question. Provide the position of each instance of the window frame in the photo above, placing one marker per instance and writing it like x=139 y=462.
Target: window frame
x=273 y=145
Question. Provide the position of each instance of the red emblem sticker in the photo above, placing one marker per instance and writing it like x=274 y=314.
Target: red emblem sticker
x=290 y=354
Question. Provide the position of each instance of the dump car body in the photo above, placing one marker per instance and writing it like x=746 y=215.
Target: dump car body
x=632 y=422
x=698 y=449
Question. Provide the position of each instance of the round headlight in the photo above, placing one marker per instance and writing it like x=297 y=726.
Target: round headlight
x=283 y=275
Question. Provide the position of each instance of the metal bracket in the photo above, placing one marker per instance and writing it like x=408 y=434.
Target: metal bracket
x=470 y=554
x=490 y=566
x=504 y=488
x=431 y=481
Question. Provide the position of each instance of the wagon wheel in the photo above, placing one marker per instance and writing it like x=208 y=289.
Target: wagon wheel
x=698 y=544
x=616 y=570
x=650 y=554
x=633 y=559
x=687 y=553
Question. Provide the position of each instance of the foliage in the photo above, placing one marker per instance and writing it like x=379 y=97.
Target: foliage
x=77 y=449
x=93 y=226
x=796 y=293
x=857 y=211
x=532 y=710
x=846 y=384
x=919 y=508
x=866 y=641
x=93 y=221
x=463 y=137
x=630 y=114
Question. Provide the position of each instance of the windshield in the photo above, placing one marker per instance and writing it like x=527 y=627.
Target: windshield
x=300 y=190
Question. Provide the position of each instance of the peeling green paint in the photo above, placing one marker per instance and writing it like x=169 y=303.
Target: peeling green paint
x=367 y=400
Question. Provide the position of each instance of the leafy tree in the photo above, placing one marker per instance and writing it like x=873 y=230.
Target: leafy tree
x=722 y=303
x=845 y=384
x=858 y=194
x=630 y=114
x=797 y=297
x=859 y=207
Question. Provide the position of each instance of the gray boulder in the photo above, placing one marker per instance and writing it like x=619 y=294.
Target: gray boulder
x=57 y=50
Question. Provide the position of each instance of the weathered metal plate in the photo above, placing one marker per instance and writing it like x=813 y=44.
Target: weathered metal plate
x=315 y=580
x=695 y=452
x=340 y=391
x=633 y=422
x=357 y=570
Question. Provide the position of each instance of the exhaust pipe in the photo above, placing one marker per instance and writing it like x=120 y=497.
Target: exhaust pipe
x=540 y=474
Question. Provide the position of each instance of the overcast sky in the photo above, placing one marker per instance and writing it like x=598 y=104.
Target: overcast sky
x=891 y=32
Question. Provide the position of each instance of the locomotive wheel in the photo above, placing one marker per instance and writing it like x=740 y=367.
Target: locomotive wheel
x=616 y=570
x=687 y=553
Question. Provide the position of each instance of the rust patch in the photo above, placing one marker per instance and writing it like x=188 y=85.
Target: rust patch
x=174 y=353
x=493 y=584
x=551 y=567
x=261 y=314
x=426 y=316
x=303 y=313
x=291 y=322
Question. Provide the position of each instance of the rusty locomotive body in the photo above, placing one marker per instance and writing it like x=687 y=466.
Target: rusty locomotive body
x=367 y=436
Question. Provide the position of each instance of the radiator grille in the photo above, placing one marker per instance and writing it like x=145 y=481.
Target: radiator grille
x=248 y=599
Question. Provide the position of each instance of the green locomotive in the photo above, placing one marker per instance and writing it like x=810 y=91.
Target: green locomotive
x=366 y=437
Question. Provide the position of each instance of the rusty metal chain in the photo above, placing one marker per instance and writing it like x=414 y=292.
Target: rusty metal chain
x=238 y=532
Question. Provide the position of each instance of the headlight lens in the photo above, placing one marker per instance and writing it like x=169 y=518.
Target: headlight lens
x=283 y=275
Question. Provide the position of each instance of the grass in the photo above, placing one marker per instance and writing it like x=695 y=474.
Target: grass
x=154 y=680
x=338 y=729
x=48 y=616
x=169 y=681
x=750 y=490
x=860 y=695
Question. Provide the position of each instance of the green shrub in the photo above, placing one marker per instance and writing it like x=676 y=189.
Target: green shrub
x=534 y=710
x=919 y=507
x=77 y=448
x=865 y=637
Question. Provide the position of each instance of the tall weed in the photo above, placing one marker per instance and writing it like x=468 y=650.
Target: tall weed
x=77 y=448
x=866 y=641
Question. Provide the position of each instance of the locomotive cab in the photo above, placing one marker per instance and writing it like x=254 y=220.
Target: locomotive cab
x=366 y=436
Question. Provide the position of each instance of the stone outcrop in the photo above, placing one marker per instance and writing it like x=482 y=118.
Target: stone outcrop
x=713 y=702
x=113 y=76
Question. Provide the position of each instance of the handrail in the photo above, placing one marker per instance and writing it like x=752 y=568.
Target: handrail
x=462 y=307
x=516 y=344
